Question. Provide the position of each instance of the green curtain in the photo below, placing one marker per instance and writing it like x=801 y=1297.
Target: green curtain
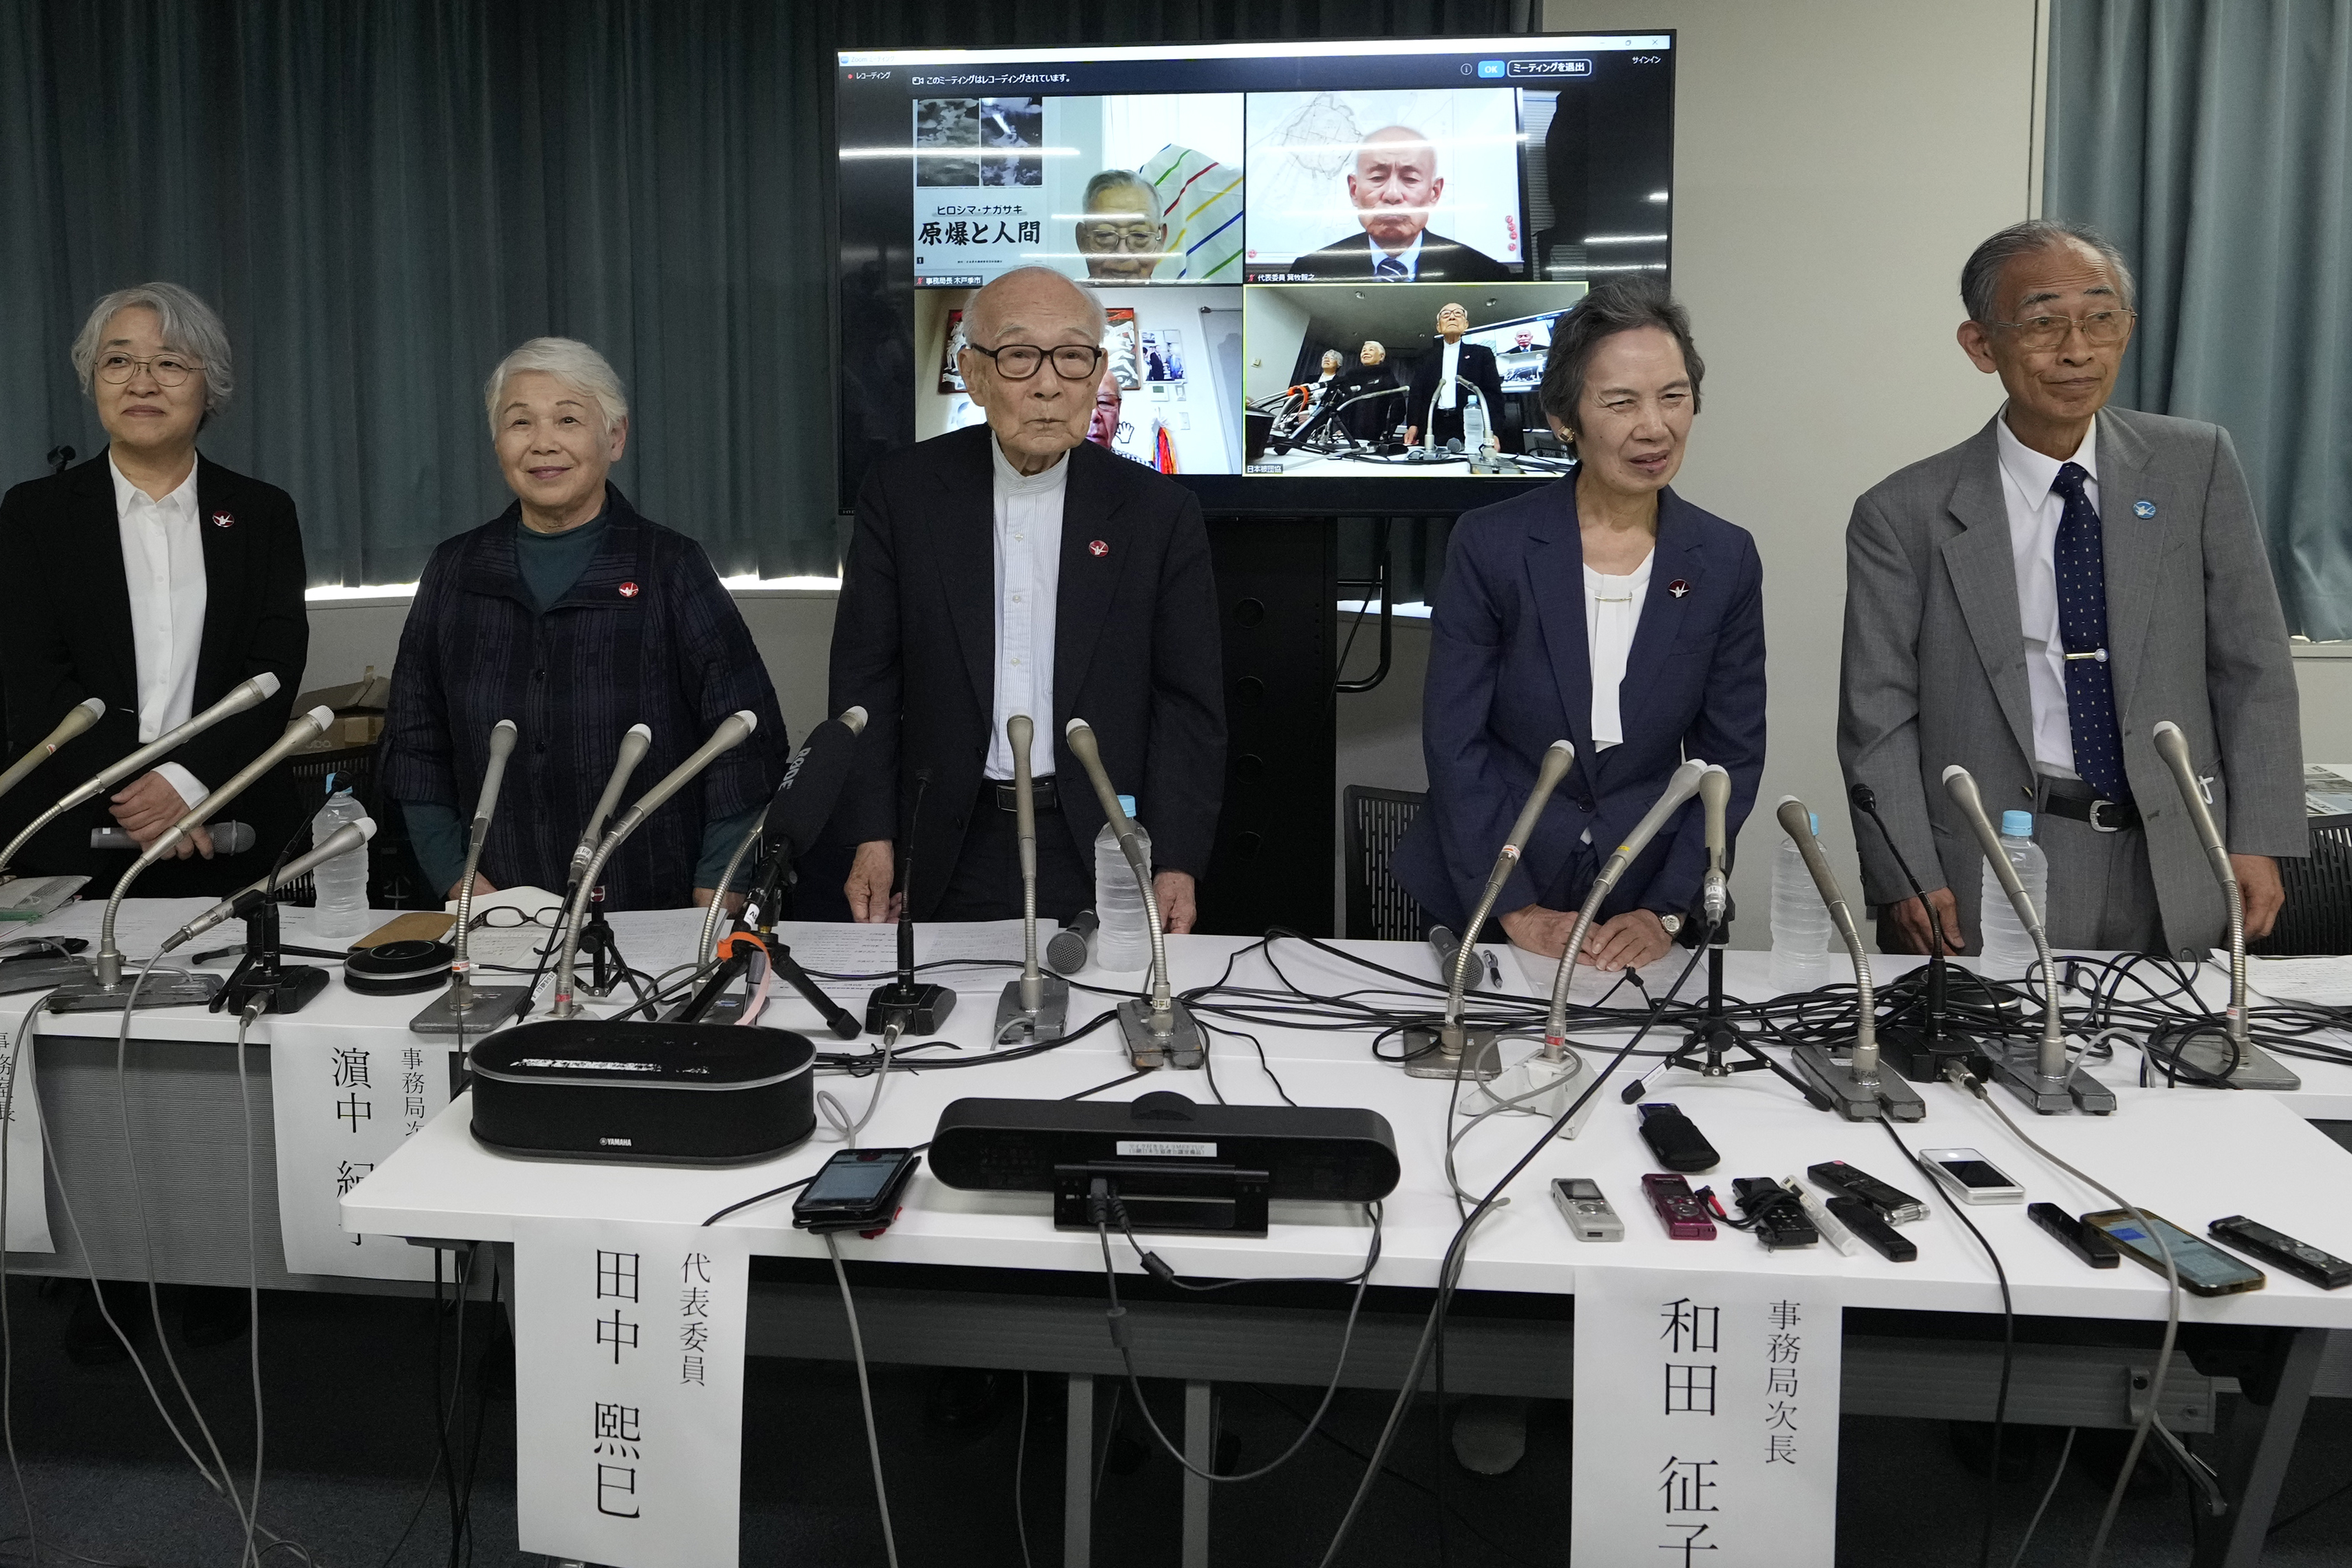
x=383 y=196
x=2211 y=139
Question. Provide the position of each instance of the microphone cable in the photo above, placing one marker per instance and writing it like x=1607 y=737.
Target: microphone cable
x=866 y=1397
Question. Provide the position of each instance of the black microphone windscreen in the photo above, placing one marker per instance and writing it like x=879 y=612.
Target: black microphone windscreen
x=1864 y=798
x=811 y=787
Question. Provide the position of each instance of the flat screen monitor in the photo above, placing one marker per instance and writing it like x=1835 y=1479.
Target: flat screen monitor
x=1330 y=271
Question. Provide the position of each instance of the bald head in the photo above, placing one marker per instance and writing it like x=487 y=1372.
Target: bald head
x=1038 y=407
x=1394 y=186
x=1046 y=303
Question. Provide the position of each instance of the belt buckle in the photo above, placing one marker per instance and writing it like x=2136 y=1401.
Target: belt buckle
x=2099 y=826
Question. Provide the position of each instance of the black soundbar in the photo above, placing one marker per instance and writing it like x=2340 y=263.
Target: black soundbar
x=1173 y=1164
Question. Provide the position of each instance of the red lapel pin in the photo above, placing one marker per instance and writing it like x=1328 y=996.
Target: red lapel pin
x=1098 y=548
x=223 y=520
x=628 y=590
x=1677 y=587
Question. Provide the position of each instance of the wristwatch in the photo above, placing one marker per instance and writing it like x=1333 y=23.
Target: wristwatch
x=1674 y=924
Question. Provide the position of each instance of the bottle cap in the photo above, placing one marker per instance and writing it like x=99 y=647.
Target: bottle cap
x=1127 y=804
x=2016 y=824
x=1813 y=820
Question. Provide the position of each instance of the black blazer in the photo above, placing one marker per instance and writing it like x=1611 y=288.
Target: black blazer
x=1442 y=260
x=1136 y=652
x=1477 y=368
x=69 y=638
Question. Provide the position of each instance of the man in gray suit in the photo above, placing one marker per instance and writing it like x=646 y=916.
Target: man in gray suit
x=2031 y=604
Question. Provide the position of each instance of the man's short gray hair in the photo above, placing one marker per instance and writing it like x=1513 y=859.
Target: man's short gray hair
x=1980 y=277
x=569 y=361
x=980 y=328
x=1118 y=180
x=184 y=321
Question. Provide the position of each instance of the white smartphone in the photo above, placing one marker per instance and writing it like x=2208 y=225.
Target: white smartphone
x=1970 y=1177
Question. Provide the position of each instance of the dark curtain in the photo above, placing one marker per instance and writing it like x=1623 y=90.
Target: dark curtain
x=384 y=197
x=2211 y=139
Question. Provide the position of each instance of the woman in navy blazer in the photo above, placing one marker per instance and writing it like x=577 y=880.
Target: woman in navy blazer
x=1673 y=597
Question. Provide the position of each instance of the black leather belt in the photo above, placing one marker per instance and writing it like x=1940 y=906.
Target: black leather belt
x=2103 y=815
x=1043 y=796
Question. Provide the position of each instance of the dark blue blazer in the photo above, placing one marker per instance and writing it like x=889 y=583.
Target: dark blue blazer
x=1509 y=673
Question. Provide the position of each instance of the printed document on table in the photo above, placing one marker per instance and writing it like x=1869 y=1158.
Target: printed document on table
x=2324 y=982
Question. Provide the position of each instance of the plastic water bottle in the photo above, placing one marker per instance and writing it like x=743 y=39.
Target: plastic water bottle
x=1124 y=942
x=342 y=883
x=2009 y=952
x=1801 y=922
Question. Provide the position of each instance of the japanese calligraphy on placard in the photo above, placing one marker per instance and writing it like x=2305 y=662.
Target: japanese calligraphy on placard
x=629 y=1390
x=28 y=1208
x=1714 y=1397
x=344 y=1099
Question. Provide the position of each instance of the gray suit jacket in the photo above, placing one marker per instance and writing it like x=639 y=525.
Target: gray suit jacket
x=1934 y=668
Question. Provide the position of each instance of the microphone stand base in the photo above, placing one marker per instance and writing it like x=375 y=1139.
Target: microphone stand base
x=491 y=1007
x=291 y=988
x=2209 y=1052
x=1885 y=1097
x=43 y=976
x=916 y=1009
x=1183 y=1047
x=1426 y=1056
x=1910 y=1052
x=1049 y=1022
x=2019 y=1069
x=168 y=988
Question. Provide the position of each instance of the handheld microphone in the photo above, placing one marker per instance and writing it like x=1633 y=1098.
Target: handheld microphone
x=349 y=836
x=1854 y=1086
x=78 y=718
x=2044 y=1081
x=231 y=838
x=1069 y=949
x=1714 y=799
x=1458 y=1053
x=1679 y=789
x=1161 y=1032
x=635 y=743
x=1444 y=946
x=730 y=732
x=1037 y=1006
x=243 y=695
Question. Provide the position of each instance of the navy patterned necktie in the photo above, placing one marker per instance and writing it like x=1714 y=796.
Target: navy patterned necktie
x=2082 y=572
x=1388 y=270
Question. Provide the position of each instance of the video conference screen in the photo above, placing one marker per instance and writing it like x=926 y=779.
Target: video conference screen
x=1330 y=271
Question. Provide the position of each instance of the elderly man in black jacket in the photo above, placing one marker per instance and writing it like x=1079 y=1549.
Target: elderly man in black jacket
x=1017 y=569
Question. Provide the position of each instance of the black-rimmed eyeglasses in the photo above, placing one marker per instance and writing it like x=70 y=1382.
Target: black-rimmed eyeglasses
x=1019 y=362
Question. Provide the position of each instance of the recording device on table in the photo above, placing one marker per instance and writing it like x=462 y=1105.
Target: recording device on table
x=1454 y=1049
x=1588 y=1215
x=104 y=990
x=1774 y=1215
x=905 y=1005
x=1036 y=1008
x=2225 y=1053
x=2041 y=1074
x=1067 y=952
x=30 y=897
x=1867 y=1225
x=1920 y=1053
x=1854 y=1086
x=790 y=821
x=730 y=731
x=467 y=1007
x=857 y=1189
x=1891 y=1203
x=1160 y=1032
x=2203 y=1268
x=1685 y=1216
x=2300 y=1258
x=1675 y=1138
x=1970 y=1177
x=2089 y=1246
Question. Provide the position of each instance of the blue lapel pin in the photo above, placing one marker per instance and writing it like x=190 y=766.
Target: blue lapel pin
x=2143 y=510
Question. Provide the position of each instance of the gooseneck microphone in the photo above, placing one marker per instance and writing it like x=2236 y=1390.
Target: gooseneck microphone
x=1464 y=1053
x=730 y=732
x=466 y=1004
x=236 y=906
x=2039 y=1076
x=78 y=718
x=1036 y=1007
x=2242 y=1061
x=1161 y=1032
x=635 y=743
x=243 y=695
x=1854 y=1086
x=1715 y=800
x=1679 y=789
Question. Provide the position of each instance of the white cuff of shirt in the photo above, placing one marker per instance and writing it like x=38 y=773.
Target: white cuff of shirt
x=181 y=779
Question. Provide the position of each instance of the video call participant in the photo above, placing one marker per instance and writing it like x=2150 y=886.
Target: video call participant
x=1437 y=385
x=575 y=618
x=1121 y=234
x=1394 y=184
x=154 y=578
x=2117 y=554
x=1318 y=390
x=1103 y=428
x=1374 y=416
x=1605 y=609
x=1019 y=569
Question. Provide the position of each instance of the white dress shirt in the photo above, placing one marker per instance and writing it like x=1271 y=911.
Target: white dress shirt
x=1613 y=612
x=1028 y=586
x=2034 y=512
x=1447 y=369
x=163 y=567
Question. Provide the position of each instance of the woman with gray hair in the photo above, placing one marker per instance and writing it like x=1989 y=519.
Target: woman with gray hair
x=157 y=580
x=575 y=618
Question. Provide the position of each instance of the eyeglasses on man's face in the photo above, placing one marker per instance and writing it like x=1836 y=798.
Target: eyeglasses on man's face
x=1135 y=238
x=2101 y=328
x=169 y=370
x=1019 y=362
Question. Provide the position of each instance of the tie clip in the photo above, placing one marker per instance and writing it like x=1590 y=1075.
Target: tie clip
x=2098 y=653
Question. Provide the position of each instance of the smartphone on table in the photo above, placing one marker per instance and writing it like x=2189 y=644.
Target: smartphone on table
x=1970 y=1177
x=2204 y=1269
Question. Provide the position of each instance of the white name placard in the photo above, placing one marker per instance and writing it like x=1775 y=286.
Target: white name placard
x=28 y=1183
x=343 y=1098
x=1706 y=1419
x=629 y=1390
